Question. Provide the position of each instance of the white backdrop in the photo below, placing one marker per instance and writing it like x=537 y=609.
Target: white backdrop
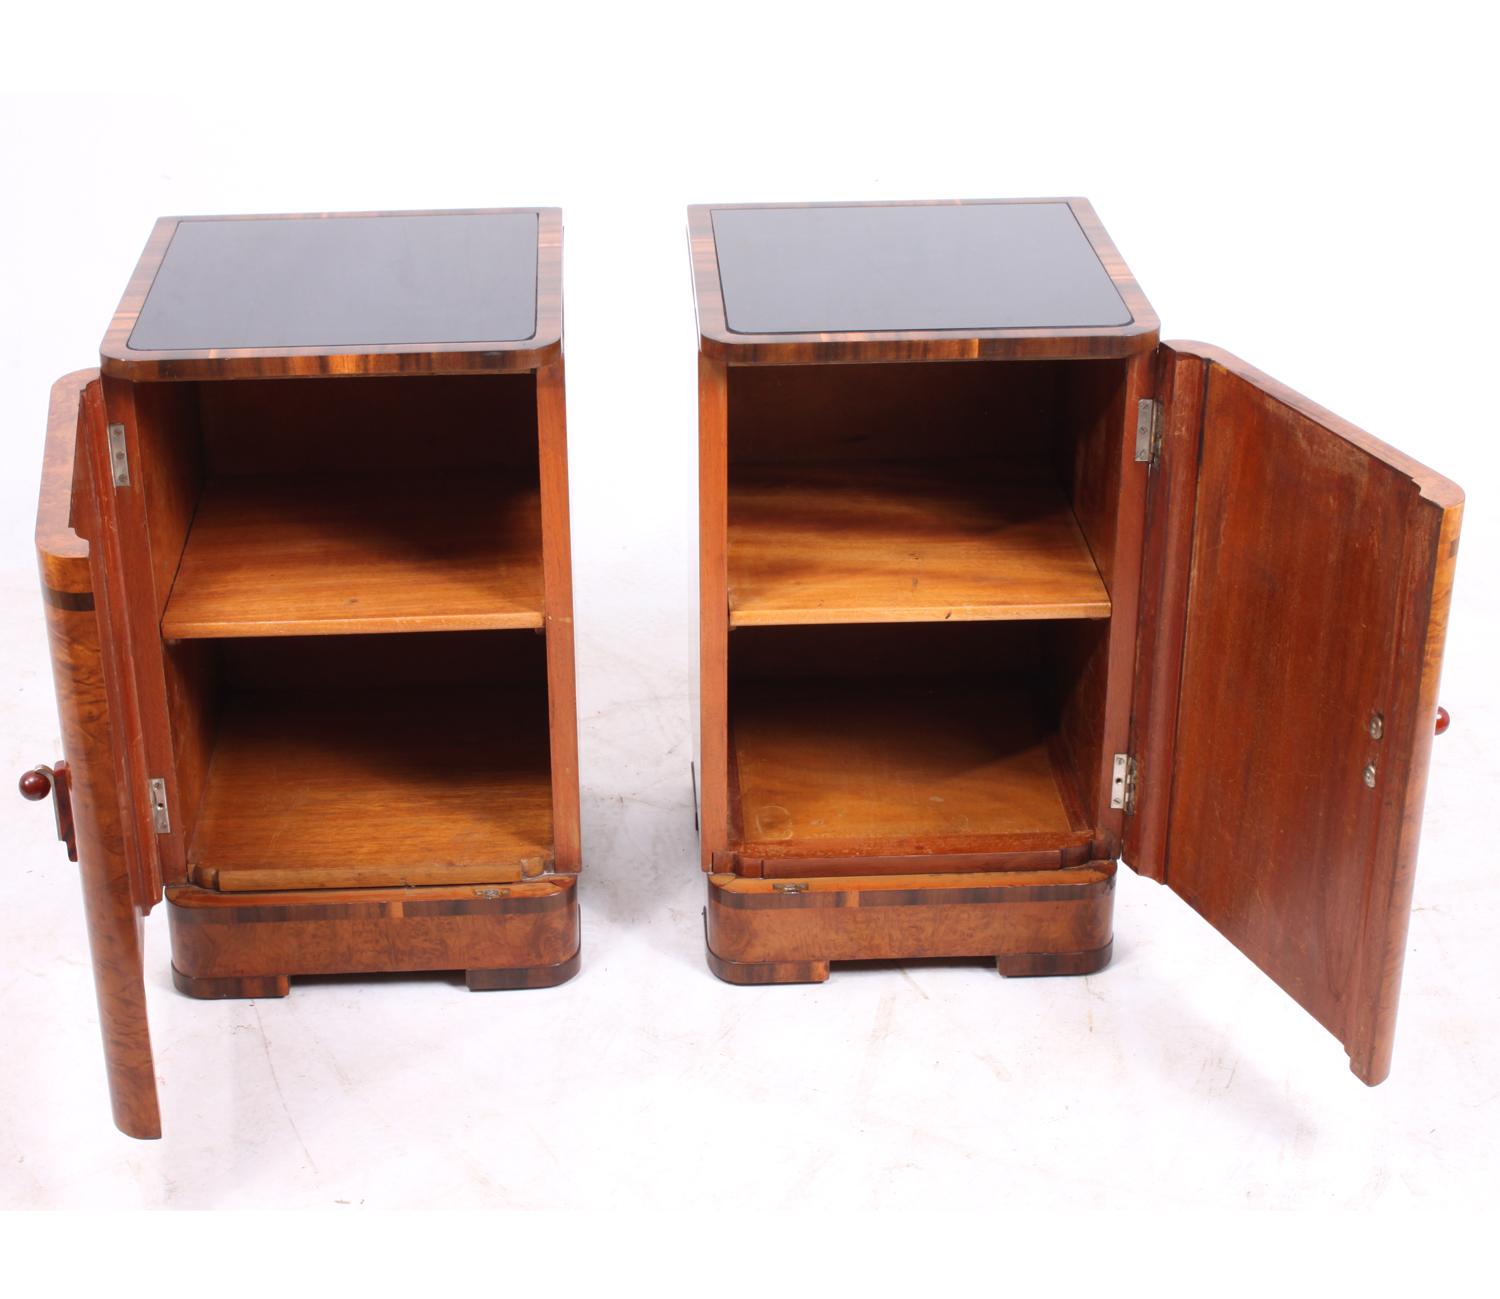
x=1310 y=189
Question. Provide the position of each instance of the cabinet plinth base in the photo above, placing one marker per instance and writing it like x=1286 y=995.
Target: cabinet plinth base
x=1029 y=965
x=534 y=976
x=1028 y=922
x=522 y=935
x=229 y=987
x=762 y=972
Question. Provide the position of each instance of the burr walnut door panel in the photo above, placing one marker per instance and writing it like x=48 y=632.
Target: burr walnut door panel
x=92 y=699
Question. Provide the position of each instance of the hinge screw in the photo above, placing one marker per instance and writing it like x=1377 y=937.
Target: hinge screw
x=1370 y=775
x=1123 y=784
x=1377 y=726
x=160 y=819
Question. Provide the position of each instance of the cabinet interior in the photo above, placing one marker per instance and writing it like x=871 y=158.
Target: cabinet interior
x=306 y=506
x=349 y=577
x=920 y=565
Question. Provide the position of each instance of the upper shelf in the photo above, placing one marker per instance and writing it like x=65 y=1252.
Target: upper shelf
x=294 y=557
x=928 y=541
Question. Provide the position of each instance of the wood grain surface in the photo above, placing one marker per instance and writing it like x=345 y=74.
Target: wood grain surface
x=830 y=768
x=904 y=541
x=344 y=789
x=712 y=657
x=459 y=550
x=808 y=923
x=557 y=575
x=1321 y=564
x=507 y=935
x=114 y=897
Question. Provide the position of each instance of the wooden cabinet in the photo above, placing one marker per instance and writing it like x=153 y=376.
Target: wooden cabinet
x=304 y=551
x=997 y=590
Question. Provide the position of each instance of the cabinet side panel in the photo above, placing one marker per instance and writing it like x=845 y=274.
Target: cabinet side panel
x=557 y=579
x=134 y=628
x=167 y=471
x=713 y=608
x=1093 y=406
x=1110 y=497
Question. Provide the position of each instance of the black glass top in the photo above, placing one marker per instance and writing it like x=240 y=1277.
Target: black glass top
x=364 y=281
x=818 y=270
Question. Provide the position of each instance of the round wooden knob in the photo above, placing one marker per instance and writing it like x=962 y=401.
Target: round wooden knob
x=36 y=785
x=1442 y=720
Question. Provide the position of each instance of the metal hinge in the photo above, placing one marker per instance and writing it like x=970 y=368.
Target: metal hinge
x=1122 y=786
x=1148 y=430
x=119 y=462
x=159 y=817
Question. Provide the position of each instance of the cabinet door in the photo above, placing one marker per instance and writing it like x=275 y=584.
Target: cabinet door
x=117 y=885
x=1300 y=573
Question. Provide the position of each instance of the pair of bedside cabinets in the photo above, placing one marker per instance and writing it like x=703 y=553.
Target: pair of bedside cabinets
x=996 y=590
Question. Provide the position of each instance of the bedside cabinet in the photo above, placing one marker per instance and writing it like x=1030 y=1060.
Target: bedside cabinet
x=304 y=552
x=997 y=590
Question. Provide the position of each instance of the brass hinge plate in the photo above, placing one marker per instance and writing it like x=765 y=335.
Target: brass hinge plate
x=119 y=462
x=159 y=817
x=1122 y=789
x=1148 y=419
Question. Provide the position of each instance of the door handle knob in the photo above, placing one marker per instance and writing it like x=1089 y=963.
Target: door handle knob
x=40 y=781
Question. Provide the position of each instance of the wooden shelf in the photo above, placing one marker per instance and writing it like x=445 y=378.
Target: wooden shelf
x=355 y=789
x=895 y=766
x=909 y=541
x=455 y=551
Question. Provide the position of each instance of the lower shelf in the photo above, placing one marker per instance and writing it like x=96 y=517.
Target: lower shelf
x=362 y=789
x=895 y=766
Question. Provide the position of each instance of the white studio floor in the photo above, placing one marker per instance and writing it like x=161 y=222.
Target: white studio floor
x=1179 y=1075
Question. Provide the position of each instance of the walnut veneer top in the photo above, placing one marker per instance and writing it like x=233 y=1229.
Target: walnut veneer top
x=359 y=293
x=799 y=283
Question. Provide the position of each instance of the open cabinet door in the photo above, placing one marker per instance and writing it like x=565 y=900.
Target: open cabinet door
x=1299 y=572
x=117 y=889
